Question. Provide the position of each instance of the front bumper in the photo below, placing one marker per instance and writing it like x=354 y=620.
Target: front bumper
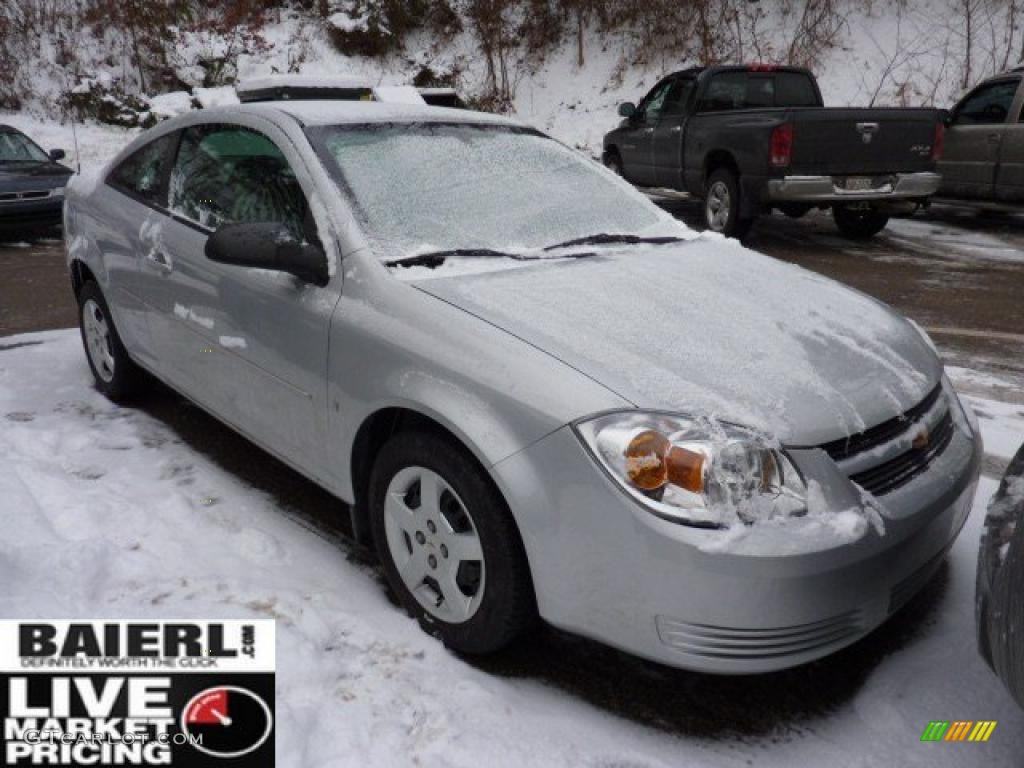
x=830 y=189
x=606 y=568
x=23 y=215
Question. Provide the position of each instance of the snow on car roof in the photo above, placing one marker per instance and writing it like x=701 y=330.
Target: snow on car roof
x=331 y=112
x=303 y=81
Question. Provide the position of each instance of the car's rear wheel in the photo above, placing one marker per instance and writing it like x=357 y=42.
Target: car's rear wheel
x=448 y=544
x=859 y=222
x=722 y=205
x=116 y=375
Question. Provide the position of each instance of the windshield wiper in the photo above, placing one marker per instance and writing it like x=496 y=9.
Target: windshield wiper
x=606 y=238
x=435 y=259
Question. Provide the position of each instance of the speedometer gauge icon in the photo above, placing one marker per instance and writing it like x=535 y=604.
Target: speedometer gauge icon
x=227 y=721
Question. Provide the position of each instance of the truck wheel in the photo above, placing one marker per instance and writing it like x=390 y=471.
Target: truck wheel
x=859 y=223
x=449 y=546
x=116 y=375
x=722 y=205
x=613 y=163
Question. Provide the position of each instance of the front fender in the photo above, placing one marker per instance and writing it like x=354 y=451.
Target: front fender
x=394 y=346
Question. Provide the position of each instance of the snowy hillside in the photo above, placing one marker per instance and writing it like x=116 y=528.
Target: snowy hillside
x=886 y=52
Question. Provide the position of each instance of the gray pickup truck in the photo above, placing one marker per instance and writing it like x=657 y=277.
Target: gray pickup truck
x=747 y=139
x=983 y=163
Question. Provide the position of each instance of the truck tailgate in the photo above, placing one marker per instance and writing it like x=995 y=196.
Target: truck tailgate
x=847 y=141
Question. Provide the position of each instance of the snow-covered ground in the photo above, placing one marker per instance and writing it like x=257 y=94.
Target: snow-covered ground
x=107 y=512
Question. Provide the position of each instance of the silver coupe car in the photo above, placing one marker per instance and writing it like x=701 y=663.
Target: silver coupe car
x=540 y=395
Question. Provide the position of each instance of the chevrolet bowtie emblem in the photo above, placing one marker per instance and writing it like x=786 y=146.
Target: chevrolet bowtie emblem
x=921 y=439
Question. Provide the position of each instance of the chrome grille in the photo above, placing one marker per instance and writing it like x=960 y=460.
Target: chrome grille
x=890 y=475
x=891 y=454
x=882 y=433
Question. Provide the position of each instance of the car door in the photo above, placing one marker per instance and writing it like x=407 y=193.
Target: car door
x=974 y=138
x=1010 y=173
x=132 y=208
x=637 y=145
x=250 y=344
x=669 y=132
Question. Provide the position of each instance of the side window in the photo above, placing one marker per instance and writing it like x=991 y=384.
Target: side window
x=727 y=90
x=142 y=172
x=226 y=174
x=654 y=102
x=678 y=96
x=987 y=105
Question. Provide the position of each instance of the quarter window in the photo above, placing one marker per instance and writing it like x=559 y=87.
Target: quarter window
x=231 y=175
x=142 y=172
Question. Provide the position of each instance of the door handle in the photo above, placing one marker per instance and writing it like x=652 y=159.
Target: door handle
x=993 y=138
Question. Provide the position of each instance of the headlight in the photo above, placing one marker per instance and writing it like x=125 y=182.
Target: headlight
x=697 y=472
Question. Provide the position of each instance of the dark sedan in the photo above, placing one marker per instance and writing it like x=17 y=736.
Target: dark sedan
x=31 y=184
x=1000 y=603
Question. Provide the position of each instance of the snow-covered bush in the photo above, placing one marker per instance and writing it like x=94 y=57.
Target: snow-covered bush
x=378 y=27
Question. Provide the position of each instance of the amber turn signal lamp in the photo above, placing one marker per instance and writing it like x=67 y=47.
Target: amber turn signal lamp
x=652 y=462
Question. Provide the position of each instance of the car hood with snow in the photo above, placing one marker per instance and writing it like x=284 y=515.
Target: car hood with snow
x=707 y=327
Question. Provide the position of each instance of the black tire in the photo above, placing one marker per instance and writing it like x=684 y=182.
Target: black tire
x=613 y=163
x=859 y=223
x=507 y=607
x=722 y=205
x=119 y=378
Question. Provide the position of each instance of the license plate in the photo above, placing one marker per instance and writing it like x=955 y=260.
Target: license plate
x=859 y=184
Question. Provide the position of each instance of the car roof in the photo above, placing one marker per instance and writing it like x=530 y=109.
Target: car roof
x=335 y=112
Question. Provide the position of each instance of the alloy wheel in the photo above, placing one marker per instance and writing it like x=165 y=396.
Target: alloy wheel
x=717 y=206
x=98 y=340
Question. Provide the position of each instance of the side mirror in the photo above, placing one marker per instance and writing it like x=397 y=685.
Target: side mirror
x=57 y=154
x=268 y=245
x=627 y=109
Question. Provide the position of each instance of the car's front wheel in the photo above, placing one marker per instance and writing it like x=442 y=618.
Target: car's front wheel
x=116 y=375
x=450 y=549
x=613 y=163
x=859 y=222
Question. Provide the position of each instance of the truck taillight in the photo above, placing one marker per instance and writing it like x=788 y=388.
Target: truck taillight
x=939 y=142
x=782 y=145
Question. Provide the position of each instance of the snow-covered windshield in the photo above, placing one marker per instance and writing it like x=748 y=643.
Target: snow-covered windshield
x=18 y=148
x=430 y=187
